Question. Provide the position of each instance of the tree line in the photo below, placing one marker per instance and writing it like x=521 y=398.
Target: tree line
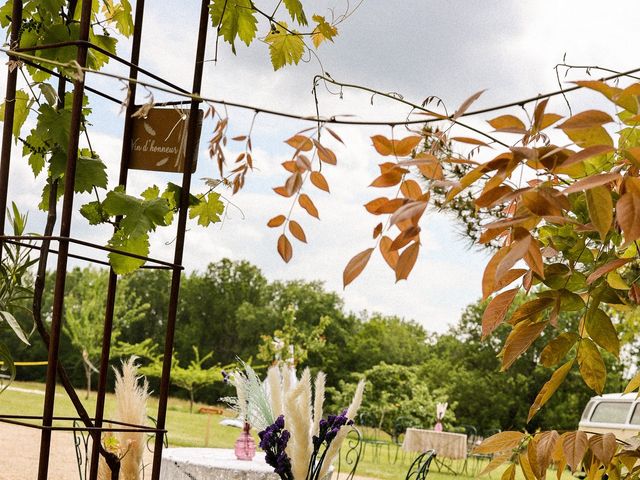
x=231 y=310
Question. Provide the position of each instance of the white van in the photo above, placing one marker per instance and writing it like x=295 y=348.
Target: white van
x=616 y=413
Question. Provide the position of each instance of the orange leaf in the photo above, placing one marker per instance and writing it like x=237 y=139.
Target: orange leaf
x=519 y=340
x=591 y=182
x=307 y=204
x=530 y=309
x=319 y=181
x=284 y=248
x=377 y=231
x=276 y=221
x=382 y=145
x=496 y=310
x=606 y=268
x=516 y=252
x=283 y=191
x=587 y=119
x=412 y=210
x=388 y=179
x=405 y=146
x=355 y=266
x=297 y=231
x=411 y=189
x=507 y=123
x=325 y=155
x=489 y=275
x=404 y=238
x=390 y=256
x=469 y=140
x=300 y=143
x=407 y=261
x=500 y=442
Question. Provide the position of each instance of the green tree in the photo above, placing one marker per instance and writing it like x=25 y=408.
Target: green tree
x=85 y=303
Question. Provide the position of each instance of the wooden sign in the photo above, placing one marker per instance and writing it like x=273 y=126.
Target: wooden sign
x=159 y=141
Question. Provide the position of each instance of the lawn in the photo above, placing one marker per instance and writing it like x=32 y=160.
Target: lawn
x=188 y=430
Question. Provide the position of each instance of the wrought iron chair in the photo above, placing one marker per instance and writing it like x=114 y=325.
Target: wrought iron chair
x=372 y=436
x=420 y=466
x=349 y=455
x=81 y=442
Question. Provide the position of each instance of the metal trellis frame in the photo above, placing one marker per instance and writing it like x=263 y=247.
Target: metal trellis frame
x=94 y=426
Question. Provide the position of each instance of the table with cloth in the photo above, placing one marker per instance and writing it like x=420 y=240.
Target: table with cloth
x=212 y=464
x=452 y=446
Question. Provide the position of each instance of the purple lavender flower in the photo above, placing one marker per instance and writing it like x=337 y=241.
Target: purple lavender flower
x=274 y=440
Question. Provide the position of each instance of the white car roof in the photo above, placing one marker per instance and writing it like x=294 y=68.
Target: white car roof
x=616 y=396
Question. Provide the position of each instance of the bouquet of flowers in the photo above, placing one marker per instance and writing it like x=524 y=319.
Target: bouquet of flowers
x=298 y=442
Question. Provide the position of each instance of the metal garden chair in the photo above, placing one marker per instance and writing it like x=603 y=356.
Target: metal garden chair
x=349 y=456
x=420 y=466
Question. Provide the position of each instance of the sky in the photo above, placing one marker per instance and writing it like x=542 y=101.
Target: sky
x=415 y=48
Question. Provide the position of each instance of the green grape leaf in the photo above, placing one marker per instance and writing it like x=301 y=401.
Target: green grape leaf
x=44 y=200
x=296 y=11
x=285 y=48
x=140 y=216
x=90 y=172
x=234 y=18
x=23 y=104
x=323 y=31
x=138 y=245
x=95 y=59
x=49 y=93
x=120 y=15
x=208 y=211
x=94 y=213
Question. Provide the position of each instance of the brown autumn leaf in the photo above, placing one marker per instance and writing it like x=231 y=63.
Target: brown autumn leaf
x=545 y=446
x=306 y=203
x=470 y=141
x=466 y=104
x=549 y=388
x=283 y=191
x=603 y=446
x=492 y=197
x=406 y=261
x=591 y=365
x=390 y=256
x=533 y=258
x=290 y=166
x=411 y=189
x=334 y=135
x=500 y=442
x=318 y=180
x=585 y=154
x=404 y=238
x=297 y=231
x=628 y=215
x=377 y=231
x=538 y=114
x=519 y=340
x=412 y=210
x=497 y=460
x=549 y=119
x=293 y=183
x=276 y=221
x=507 y=123
x=574 y=446
x=516 y=251
x=355 y=266
x=284 y=248
x=592 y=181
x=509 y=278
x=525 y=466
x=300 y=143
x=388 y=179
x=586 y=119
x=391 y=206
x=489 y=275
x=496 y=311
x=606 y=268
x=634 y=384
x=303 y=163
x=382 y=145
x=325 y=154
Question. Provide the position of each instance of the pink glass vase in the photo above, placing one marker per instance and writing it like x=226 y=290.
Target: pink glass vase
x=245 y=448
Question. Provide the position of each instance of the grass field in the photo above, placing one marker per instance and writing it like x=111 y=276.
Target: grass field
x=189 y=430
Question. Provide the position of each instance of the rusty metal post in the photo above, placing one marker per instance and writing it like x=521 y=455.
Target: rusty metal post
x=9 y=115
x=65 y=230
x=182 y=224
x=113 y=278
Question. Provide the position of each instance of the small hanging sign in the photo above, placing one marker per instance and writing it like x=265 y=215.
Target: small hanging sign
x=159 y=141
